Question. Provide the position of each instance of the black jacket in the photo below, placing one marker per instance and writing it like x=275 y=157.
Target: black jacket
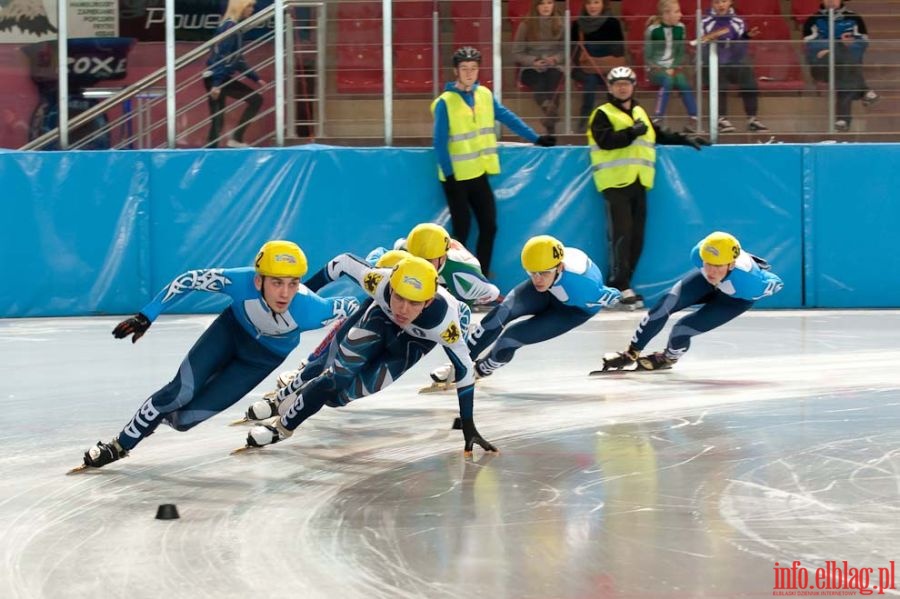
x=609 y=139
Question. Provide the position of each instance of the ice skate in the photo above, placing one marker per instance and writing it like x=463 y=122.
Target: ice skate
x=631 y=300
x=441 y=380
x=438 y=387
x=265 y=434
x=284 y=379
x=655 y=361
x=100 y=455
x=260 y=410
x=617 y=362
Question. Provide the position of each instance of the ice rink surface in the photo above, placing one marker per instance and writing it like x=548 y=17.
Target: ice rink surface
x=776 y=439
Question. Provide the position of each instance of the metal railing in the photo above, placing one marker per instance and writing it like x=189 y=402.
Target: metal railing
x=153 y=90
x=381 y=106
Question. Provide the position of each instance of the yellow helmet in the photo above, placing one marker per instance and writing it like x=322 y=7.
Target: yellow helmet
x=542 y=253
x=415 y=279
x=429 y=241
x=280 y=258
x=390 y=258
x=719 y=248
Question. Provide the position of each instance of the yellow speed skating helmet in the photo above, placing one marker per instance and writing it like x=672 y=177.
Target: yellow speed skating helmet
x=280 y=258
x=429 y=241
x=414 y=279
x=719 y=248
x=390 y=258
x=541 y=253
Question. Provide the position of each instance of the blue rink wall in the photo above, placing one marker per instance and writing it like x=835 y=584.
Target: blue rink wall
x=87 y=233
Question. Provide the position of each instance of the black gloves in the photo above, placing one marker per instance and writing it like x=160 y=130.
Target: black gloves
x=546 y=141
x=472 y=436
x=638 y=129
x=137 y=324
x=695 y=141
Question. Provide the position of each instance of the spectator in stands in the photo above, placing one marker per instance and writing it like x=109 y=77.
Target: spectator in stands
x=666 y=60
x=598 y=46
x=225 y=67
x=539 y=51
x=851 y=41
x=465 y=146
x=730 y=32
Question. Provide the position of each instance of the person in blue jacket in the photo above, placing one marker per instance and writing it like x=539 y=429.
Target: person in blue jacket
x=564 y=290
x=851 y=39
x=250 y=338
x=222 y=77
x=465 y=145
x=727 y=282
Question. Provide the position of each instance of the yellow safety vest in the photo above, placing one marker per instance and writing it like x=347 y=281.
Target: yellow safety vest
x=619 y=168
x=473 y=143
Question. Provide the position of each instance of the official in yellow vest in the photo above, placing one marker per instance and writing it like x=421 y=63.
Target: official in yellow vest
x=465 y=144
x=622 y=142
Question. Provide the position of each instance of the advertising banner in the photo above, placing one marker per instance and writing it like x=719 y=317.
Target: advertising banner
x=195 y=20
x=25 y=21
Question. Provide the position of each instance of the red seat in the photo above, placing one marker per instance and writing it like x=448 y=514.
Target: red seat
x=472 y=27
x=360 y=69
x=359 y=52
x=413 y=46
x=803 y=9
x=413 y=21
x=642 y=9
x=413 y=71
x=759 y=7
x=359 y=22
x=516 y=12
x=774 y=55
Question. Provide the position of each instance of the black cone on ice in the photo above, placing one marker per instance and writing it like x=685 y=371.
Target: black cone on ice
x=167 y=511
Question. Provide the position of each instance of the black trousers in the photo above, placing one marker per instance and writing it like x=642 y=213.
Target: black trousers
x=849 y=80
x=741 y=76
x=545 y=84
x=239 y=91
x=626 y=217
x=474 y=194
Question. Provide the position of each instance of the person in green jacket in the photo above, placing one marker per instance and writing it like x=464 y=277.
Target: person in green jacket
x=666 y=60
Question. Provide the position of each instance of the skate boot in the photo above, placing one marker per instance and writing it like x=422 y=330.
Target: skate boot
x=655 y=361
x=631 y=300
x=267 y=434
x=442 y=374
x=284 y=379
x=442 y=379
x=102 y=454
x=264 y=408
x=620 y=360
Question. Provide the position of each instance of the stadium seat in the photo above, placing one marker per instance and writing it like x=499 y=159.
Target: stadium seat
x=472 y=27
x=359 y=51
x=413 y=46
x=802 y=9
x=516 y=12
x=774 y=55
x=758 y=7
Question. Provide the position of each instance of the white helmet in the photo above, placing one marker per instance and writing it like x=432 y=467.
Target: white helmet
x=621 y=74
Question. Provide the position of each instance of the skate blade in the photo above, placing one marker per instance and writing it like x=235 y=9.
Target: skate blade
x=240 y=421
x=438 y=388
x=244 y=449
x=609 y=371
x=621 y=371
x=78 y=469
